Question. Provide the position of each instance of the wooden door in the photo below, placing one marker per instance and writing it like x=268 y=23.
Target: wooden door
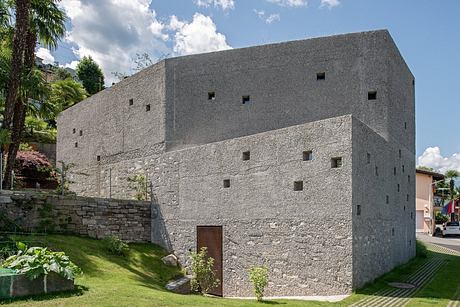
x=211 y=237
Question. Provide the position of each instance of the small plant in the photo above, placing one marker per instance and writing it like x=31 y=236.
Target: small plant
x=139 y=184
x=204 y=278
x=37 y=261
x=116 y=246
x=259 y=278
x=441 y=218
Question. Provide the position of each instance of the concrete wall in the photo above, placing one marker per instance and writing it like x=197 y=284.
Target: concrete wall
x=304 y=237
x=284 y=90
x=384 y=232
x=110 y=126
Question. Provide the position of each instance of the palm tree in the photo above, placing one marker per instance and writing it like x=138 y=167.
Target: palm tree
x=46 y=26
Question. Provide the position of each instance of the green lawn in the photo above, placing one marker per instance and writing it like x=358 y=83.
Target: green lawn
x=139 y=280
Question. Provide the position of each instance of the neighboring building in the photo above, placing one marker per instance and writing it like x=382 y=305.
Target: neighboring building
x=48 y=70
x=426 y=207
x=298 y=156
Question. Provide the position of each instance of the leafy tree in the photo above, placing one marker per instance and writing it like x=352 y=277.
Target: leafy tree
x=45 y=23
x=66 y=93
x=62 y=74
x=425 y=168
x=89 y=72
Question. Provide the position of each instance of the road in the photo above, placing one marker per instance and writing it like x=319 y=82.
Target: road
x=449 y=242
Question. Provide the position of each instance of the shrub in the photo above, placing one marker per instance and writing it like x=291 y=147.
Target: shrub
x=259 y=278
x=116 y=246
x=204 y=278
x=139 y=184
x=32 y=167
x=421 y=250
x=440 y=218
x=37 y=261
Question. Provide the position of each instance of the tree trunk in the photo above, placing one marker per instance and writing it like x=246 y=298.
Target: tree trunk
x=20 y=109
x=19 y=45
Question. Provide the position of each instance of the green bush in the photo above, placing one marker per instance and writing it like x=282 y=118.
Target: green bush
x=204 y=278
x=37 y=261
x=420 y=250
x=441 y=218
x=116 y=246
x=259 y=278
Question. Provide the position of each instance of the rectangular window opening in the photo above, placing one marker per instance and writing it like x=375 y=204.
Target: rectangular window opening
x=393 y=232
x=376 y=171
x=402 y=168
x=298 y=185
x=226 y=183
x=211 y=95
x=372 y=95
x=98 y=158
x=246 y=155
x=81 y=132
x=245 y=99
x=307 y=155
x=358 y=210
x=321 y=76
x=407 y=197
x=336 y=162
x=405 y=125
x=408 y=178
x=400 y=154
x=131 y=102
x=147 y=108
x=394 y=171
x=399 y=187
x=76 y=144
x=387 y=199
x=74 y=130
x=368 y=158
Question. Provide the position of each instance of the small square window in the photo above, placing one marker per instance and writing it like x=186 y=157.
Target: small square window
x=372 y=95
x=307 y=155
x=336 y=162
x=298 y=185
x=76 y=144
x=147 y=108
x=81 y=132
x=246 y=155
x=245 y=99
x=74 y=130
x=98 y=158
x=211 y=95
x=321 y=76
x=226 y=183
x=358 y=210
x=131 y=102
x=368 y=158
x=387 y=199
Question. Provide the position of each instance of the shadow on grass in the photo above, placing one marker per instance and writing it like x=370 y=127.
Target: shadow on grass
x=79 y=290
x=433 y=288
x=143 y=260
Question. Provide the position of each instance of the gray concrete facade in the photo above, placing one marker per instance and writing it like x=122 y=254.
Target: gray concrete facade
x=183 y=124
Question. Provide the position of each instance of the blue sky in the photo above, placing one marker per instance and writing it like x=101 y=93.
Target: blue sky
x=425 y=31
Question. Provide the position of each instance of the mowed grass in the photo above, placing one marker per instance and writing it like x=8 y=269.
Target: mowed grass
x=139 y=279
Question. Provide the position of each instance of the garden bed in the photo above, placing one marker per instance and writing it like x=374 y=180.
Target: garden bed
x=16 y=285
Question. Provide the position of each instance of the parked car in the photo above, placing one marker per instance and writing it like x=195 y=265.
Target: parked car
x=451 y=228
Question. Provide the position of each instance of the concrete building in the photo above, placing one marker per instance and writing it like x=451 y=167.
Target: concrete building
x=425 y=205
x=298 y=156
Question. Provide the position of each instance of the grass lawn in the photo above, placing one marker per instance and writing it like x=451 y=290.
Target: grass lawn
x=139 y=279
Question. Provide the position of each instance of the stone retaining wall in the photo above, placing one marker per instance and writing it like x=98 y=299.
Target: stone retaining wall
x=93 y=217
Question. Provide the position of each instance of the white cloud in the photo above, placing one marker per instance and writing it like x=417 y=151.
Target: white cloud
x=46 y=55
x=292 y=3
x=200 y=35
x=433 y=158
x=113 y=31
x=267 y=18
x=330 y=3
x=72 y=65
x=224 y=4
